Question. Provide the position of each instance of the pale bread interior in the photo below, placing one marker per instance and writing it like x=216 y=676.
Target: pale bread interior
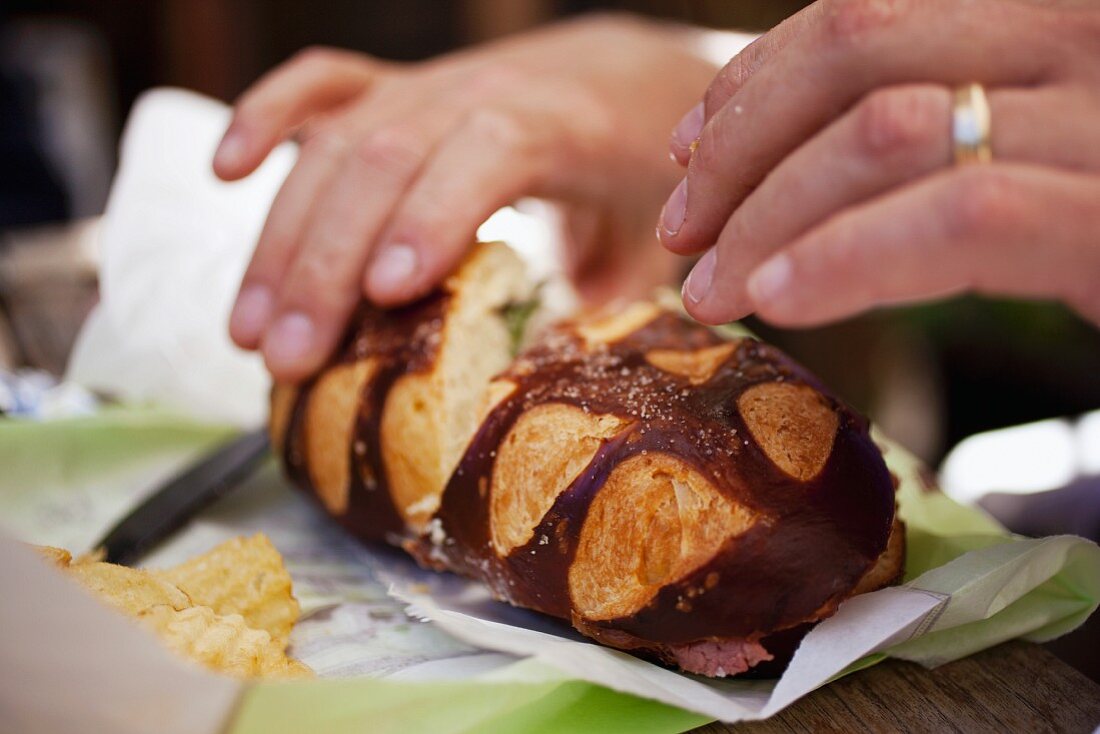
x=429 y=417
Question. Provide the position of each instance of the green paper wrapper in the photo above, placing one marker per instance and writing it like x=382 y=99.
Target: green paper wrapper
x=66 y=481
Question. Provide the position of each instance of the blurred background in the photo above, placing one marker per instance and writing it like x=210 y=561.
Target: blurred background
x=71 y=69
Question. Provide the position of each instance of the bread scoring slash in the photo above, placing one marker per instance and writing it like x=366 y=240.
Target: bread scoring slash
x=695 y=500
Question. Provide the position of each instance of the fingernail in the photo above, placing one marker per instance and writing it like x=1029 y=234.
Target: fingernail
x=771 y=281
x=689 y=128
x=252 y=312
x=701 y=276
x=289 y=340
x=230 y=150
x=392 y=268
x=672 y=217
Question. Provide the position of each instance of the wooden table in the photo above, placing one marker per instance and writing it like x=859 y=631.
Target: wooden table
x=1016 y=687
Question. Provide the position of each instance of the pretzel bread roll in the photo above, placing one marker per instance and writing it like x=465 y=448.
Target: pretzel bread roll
x=693 y=499
x=696 y=500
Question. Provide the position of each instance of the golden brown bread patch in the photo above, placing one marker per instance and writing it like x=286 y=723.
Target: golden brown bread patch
x=697 y=366
x=607 y=329
x=330 y=430
x=792 y=423
x=543 y=453
x=655 y=520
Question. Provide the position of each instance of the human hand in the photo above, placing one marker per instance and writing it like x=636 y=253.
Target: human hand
x=399 y=165
x=822 y=183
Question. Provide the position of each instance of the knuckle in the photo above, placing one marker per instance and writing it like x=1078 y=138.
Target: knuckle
x=735 y=74
x=836 y=251
x=749 y=60
x=899 y=121
x=725 y=84
x=322 y=140
x=395 y=149
x=313 y=280
x=722 y=88
x=276 y=241
x=496 y=77
x=851 y=22
x=984 y=199
x=498 y=128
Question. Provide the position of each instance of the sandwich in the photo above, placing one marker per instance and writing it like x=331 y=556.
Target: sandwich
x=697 y=500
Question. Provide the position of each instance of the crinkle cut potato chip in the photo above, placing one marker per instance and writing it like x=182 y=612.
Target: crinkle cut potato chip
x=230 y=609
x=244 y=576
x=224 y=643
x=129 y=590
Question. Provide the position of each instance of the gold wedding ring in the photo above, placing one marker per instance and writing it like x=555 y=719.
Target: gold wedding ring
x=970 y=124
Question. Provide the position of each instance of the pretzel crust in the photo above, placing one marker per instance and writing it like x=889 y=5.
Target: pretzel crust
x=695 y=500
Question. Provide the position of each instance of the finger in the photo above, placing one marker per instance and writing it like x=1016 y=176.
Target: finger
x=313 y=81
x=262 y=281
x=1007 y=229
x=322 y=283
x=857 y=46
x=733 y=75
x=893 y=136
x=491 y=159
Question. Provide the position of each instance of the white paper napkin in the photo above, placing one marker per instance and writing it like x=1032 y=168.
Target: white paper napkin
x=175 y=241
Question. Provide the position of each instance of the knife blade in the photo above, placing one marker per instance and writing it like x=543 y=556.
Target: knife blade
x=181 y=498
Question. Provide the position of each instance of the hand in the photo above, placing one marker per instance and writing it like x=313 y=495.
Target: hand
x=399 y=165
x=823 y=183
